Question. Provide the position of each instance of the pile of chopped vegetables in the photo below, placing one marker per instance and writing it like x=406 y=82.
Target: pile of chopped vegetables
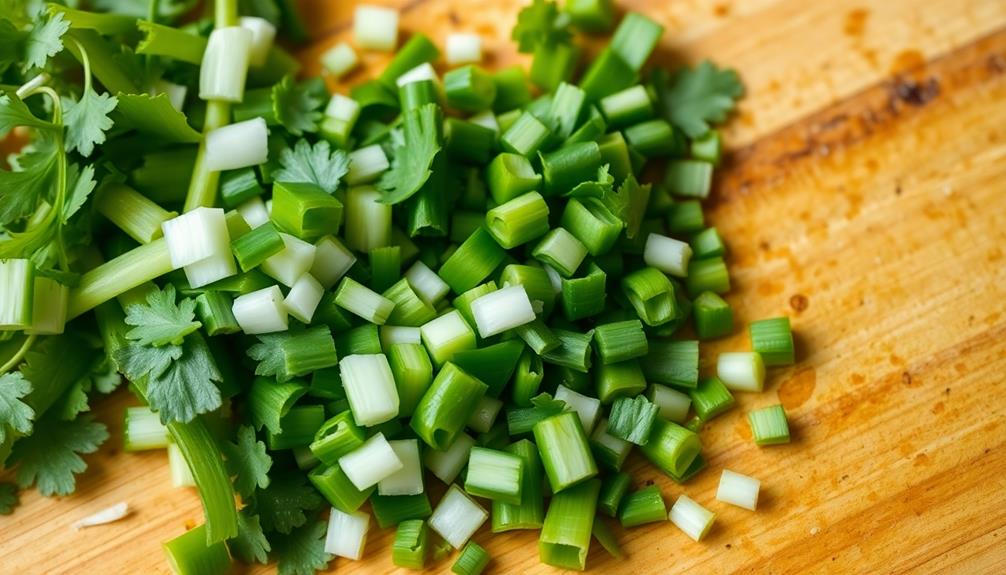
x=320 y=298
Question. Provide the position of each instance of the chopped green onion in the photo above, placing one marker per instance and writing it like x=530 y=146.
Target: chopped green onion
x=418 y=87
x=708 y=275
x=391 y=510
x=426 y=283
x=651 y=295
x=463 y=49
x=263 y=35
x=585 y=296
x=607 y=74
x=225 y=64
x=620 y=341
x=591 y=130
x=304 y=297
x=468 y=141
x=397 y=334
x=445 y=407
x=689 y=178
x=608 y=450
x=447 y=335
x=741 y=371
x=635 y=38
x=627 y=107
x=334 y=485
x=538 y=337
x=368 y=221
x=254 y=212
x=238 y=145
x=49 y=303
x=256 y=246
x=413 y=374
x=375 y=28
x=331 y=261
x=410 y=310
x=510 y=176
x=527 y=379
x=632 y=419
x=236 y=225
x=360 y=300
x=418 y=50
x=370 y=463
x=737 y=489
x=519 y=220
x=592 y=223
x=142 y=429
x=565 y=536
x=261 y=311
x=132 y=212
x=564 y=109
x=668 y=255
x=385 y=267
x=361 y=340
x=573 y=351
x=339 y=59
x=472 y=560
x=707 y=244
x=711 y=398
x=472 y=262
x=409 y=548
x=671 y=448
x=409 y=479
x=485 y=413
x=713 y=316
x=561 y=250
x=529 y=514
x=568 y=166
x=691 y=517
x=535 y=281
x=495 y=475
x=655 y=138
x=298 y=427
x=189 y=553
x=337 y=437
x=565 y=453
x=525 y=136
x=685 y=217
x=623 y=379
x=511 y=89
x=502 y=310
x=288 y=265
x=447 y=464
x=553 y=63
x=642 y=507
x=366 y=165
x=673 y=362
x=457 y=517
x=370 y=388
x=773 y=340
x=587 y=408
x=672 y=404
x=613 y=490
x=769 y=425
x=347 y=533
x=269 y=401
x=181 y=475
x=492 y=365
x=469 y=88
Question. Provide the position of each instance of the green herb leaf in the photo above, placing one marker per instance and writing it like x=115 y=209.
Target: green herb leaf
x=21 y=191
x=248 y=461
x=316 y=164
x=14 y=113
x=296 y=107
x=8 y=498
x=302 y=552
x=161 y=320
x=52 y=366
x=594 y=189
x=80 y=184
x=692 y=99
x=49 y=458
x=104 y=377
x=250 y=545
x=282 y=505
x=44 y=41
x=268 y=352
x=539 y=23
x=87 y=120
x=14 y=413
x=413 y=155
x=155 y=116
x=72 y=403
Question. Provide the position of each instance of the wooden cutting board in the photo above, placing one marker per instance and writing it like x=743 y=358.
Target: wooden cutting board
x=865 y=197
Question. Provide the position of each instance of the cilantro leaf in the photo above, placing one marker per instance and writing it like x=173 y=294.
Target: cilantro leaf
x=161 y=320
x=268 y=352
x=80 y=184
x=539 y=23
x=21 y=191
x=52 y=366
x=413 y=156
x=248 y=461
x=302 y=552
x=316 y=164
x=49 y=458
x=692 y=99
x=8 y=498
x=72 y=403
x=250 y=545
x=596 y=188
x=282 y=505
x=295 y=106
x=44 y=41
x=104 y=377
x=181 y=378
x=87 y=120
x=14 y=413
x=154 y=115
x=14 y=113
x=629 y=204
x=10 y=41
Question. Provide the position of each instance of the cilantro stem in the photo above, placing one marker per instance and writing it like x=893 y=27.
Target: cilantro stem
x=18 y=355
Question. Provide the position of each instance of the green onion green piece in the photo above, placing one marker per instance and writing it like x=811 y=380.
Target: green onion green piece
x=464 y=224
x=656 y=138
x=689 y=178
x=457 y=517
x=509 y=176
x=337 y=437
x=415 y=95
x=445 y=407
x=609 y=451
x=447 y=335
x=708 y=275
x=472 y=262
x=668 y=255
x=672 y=404
x=635 y=38
x=409 y=548
x=769 y=425
x=708 y=148
x=132 y=212
x=469 y=142
x=591 y=222
x=591 y=15
x=627 y=107
x=142 y=429
x=591 y=130
x=565 y=536
x=507 y=119
x=773 y=340
x=374 y=97
x=239 y=186
x=298 y=427
x=741 y=370
x=497 y=436
x=607 y=74
x=673 y=363
x=651 y=295
x=519 y=220
x=418 y=50
x=538 y=337
x=530 y=513
x=269 y=401
x=472 y=560
x=527 y=379
x=257 y=246
x=469 y=88
x=391 y=510
x=512 y=91
x=214 y=311
x=553 y=63
x=189 y=554
x=522 y=420
x=410 y=310
x=671 y=448
x=413 y=373
x=564 y=109
x=738 y=489
x=691 y=517
x=495 y=475
x=620 y=341
x=642 y=507
x=707 y=244
x=685 y=217
x=561 y=250
x=340 y=118
x=525 y=136
x=632 y=419
x=370 y=388
x=606 y=537
x=447 y=464
x=623 y=379
x=711 y=398
x=613 y=490
x=660 y=203
x=713 y=316
x=568 y=166
x=573 y=352
x=535 y=281
x=305 y=210
x=484 y=416
x=357 y=298
x=463 y=303
x=585 y=296
x=361 y=340
x=493 y=365
x=327 y=384
x=385 y=267
x=368 y=220
x=565 y=453
x=333 y=484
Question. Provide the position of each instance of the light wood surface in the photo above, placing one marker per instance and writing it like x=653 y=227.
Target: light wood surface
x=865 y=197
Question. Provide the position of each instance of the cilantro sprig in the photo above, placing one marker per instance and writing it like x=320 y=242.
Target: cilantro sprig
x=694 y=98
x=413 y=154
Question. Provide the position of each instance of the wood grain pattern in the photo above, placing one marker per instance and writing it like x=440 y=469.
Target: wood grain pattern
x=866 y=198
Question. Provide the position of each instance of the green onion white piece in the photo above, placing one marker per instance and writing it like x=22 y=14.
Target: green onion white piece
x=103 y=517
x=366 y=165
x=368 y=464
x=485 y=413
x=287 y=266
x=375 y=28
x=668 y=255
x=392 y=334
x=446 y=465
x=370 y=388
x=673 y=404
x=254 y=212
x=501 y=310
x=181 y=475
x=486 y=119
x=225 y=64
x=463 y=49
x=692 y=518
x=588 y=408
x=339 y=59
x=49 y=307
x=303 y=298
x=457 y=517
x=261 y=311
x=618 y=449
x=211 y=269
x=426 y=283
x=424 y=71
x=362 y=301
x=347 y=533
x=331 y=261
x=368 y=220
x=737 y=489
x=741 y=370
x=262 y=38
x=237 y=145
x=143 y=430
x=409 y=479
x=446 y=335
x=196 y=235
